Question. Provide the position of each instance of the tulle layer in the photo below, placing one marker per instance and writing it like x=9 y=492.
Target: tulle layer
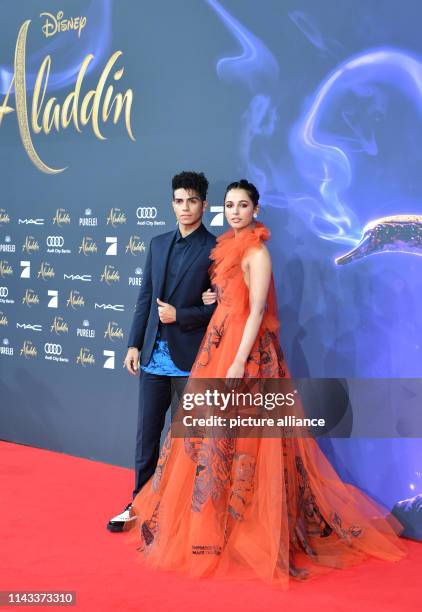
x=256 y=508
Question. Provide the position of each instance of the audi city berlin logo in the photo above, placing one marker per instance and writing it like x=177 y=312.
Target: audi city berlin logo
x=4 y=292
x=146 y=212
x=52 y=349
x=55 y=241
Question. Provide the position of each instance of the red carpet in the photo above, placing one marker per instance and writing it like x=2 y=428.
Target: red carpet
x=53 y=515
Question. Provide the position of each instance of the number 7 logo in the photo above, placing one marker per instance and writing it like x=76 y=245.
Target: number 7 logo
x=218 y=219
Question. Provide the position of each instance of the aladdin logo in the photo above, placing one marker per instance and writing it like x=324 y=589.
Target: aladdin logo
x=30 y=245
x=116 y=217
x=5 y=268
x=110 y=275
x=28 y=349
x=85 y=357
x=55 y=23
x=46 y=271
x=135 y=246
x=47 y=113
x=113 y=331
x=30 y=298
x=61 y=217
x=4 y=217
x=87 y=246
x=3 y=319
x=75 y=300
x=59 y=326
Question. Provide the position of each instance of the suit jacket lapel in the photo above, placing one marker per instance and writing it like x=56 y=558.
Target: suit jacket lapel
x=162 y=265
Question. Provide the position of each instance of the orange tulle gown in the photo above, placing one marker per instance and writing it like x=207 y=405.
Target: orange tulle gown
x=267 y=508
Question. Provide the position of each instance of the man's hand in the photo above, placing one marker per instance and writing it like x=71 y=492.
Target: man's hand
x=131 y=361
x=166 y=312
x=209 y=297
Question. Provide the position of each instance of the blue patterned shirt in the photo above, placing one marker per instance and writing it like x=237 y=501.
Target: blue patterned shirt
x=161 y=362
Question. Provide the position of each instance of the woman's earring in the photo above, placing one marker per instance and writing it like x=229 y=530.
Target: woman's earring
x=255 y=215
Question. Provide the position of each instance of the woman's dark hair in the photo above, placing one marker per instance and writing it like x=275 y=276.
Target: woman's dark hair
x=195 y=181
x=250 y=189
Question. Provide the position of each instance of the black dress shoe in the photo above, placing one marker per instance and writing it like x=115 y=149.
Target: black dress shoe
x=122 y=521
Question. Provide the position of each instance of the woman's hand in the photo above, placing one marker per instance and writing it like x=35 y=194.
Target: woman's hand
x=236 y=370
x=209 y=297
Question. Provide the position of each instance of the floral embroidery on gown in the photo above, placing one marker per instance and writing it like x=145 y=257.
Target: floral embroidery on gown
x=252 y=508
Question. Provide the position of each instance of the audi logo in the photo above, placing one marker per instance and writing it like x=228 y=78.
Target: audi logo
x=4 y=292
x=52 y=349
x=149 y=212
x=55 y=241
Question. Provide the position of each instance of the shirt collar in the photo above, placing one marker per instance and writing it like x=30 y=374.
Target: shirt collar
x=190 y=237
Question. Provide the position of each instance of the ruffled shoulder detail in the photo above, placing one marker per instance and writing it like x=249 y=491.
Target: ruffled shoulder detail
x=230 y=249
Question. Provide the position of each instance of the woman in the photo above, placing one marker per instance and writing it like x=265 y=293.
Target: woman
x=252 y=507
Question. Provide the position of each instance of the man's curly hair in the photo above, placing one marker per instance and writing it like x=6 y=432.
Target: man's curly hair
x=195 y=181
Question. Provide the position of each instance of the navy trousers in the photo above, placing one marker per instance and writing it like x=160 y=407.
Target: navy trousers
x=156 y=394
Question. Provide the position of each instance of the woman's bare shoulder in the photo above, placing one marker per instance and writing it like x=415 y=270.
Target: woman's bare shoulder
x=257 y=254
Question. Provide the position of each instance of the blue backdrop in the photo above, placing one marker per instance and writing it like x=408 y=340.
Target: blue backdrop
x=317 y=103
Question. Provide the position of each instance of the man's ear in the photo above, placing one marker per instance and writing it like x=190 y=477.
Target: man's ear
x=204 y=204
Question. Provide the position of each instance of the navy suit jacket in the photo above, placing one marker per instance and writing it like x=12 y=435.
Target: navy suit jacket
x=192 y=316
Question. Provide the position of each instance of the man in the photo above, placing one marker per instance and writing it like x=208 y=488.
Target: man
x=169 y=321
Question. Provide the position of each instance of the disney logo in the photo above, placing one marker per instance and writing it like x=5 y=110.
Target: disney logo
x=54 y=24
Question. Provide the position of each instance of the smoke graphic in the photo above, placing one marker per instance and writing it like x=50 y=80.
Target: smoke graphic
x=307 y=27
x=322 y=159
